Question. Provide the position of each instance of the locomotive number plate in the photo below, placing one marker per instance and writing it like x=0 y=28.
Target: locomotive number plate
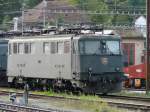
x=104 y=61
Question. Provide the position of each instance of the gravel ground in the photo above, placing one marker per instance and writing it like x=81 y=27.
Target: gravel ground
x=45 y=104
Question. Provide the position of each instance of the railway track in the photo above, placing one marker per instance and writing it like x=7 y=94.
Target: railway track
x=7 y=107
x=139 y=104
x=143 y=106
x=131 y=107
x=17 y=108
x=144 y=99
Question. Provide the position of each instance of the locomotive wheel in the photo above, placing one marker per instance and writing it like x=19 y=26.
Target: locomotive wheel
x=14 y=83
x=104 y=94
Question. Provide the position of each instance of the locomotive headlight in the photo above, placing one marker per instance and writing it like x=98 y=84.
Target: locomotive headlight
x=90 y=69
x=117 y=69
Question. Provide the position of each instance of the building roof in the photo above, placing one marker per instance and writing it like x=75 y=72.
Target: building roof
x=141 y=21
x=36 y=15
x=131 y=34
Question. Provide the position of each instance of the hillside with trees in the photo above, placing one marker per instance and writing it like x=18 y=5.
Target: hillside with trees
x=97 y=5
x=12 y=8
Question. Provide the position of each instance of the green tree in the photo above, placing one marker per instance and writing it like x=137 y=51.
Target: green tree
x=94 y=5
x=122 y=19
x=31 y=3
x=11 y=6
x=137 y=3
x=5 y=23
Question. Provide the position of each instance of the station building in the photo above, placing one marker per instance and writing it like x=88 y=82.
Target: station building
x=133 y=44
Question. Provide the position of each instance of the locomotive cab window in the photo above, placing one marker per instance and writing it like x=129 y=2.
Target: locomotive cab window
x=89 y=47
x=111 y=47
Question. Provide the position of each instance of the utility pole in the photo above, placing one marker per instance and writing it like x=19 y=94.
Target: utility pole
x=44 y=13
x=26 y=94
x=22 y=22
x=148 y=49
x=115 y=5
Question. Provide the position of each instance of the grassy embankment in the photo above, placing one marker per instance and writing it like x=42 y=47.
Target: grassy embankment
x=88 y=103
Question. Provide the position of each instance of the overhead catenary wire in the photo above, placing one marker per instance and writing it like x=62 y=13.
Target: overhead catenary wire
x=104 y=26
x=88 y=12
x=7 y=3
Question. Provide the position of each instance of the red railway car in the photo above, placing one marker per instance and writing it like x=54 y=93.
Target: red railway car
x=136 y=76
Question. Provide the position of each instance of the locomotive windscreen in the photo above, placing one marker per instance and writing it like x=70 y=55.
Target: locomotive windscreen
x=99 y=47
x=89 y=47
x=111 y=47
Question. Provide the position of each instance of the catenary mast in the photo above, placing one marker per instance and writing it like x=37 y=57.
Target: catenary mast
x=148 y=49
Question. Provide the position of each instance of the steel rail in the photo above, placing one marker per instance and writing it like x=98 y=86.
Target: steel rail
x=144 y=99
x=19 y=108
x=142 y=108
